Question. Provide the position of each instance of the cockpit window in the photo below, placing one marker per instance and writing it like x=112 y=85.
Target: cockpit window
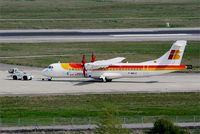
x=50 y=67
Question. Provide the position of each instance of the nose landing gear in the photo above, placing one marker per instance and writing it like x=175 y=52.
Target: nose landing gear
x=48 y=79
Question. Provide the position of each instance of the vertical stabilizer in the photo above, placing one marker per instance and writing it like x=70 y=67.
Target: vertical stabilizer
x=173 y=56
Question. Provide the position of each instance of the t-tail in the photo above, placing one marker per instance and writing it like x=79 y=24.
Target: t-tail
x=171 y=57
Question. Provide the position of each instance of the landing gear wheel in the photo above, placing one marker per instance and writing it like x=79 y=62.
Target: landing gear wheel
x=103 y=80
x=14 y=77
x=108 y=80
x=25 y=78
x=49 y=79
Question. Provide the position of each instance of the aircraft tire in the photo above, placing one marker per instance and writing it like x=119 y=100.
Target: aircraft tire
x=25 y=78
x=103 y=80
x=108 y=80
x=14 y=77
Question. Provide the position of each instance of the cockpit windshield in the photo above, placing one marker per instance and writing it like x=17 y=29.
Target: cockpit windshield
x=50 y=67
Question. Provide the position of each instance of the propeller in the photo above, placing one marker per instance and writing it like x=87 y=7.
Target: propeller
x=83 y=64
x=93 y=57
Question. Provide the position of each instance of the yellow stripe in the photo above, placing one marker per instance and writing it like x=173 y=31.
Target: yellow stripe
x=176 y=55
x=65 y=66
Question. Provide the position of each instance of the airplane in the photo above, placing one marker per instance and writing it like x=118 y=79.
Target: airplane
x=107 y=70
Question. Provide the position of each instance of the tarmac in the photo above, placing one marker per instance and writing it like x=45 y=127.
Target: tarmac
x=89 y=127
x=99 y=35
x=173 y=82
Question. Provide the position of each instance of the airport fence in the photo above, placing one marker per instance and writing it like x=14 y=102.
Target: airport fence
x=7 y=122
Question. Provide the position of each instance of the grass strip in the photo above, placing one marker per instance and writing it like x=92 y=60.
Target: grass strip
x=73 y=14
x=80 y=109
x=43 y=54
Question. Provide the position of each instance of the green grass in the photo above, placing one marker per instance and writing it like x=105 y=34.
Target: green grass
x=88 y=108
x=98 y=13
x=133 y=51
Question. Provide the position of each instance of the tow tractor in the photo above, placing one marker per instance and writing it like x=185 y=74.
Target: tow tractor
x=15 y=74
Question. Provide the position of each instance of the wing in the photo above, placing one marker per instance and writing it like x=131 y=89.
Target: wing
x=103 y=63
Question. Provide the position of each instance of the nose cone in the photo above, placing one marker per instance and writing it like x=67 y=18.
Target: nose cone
x=45 y=72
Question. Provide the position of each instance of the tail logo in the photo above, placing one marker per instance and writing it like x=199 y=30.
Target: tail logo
x=174 y=55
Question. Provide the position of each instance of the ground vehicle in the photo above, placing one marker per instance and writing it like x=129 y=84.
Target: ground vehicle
x=15 y=74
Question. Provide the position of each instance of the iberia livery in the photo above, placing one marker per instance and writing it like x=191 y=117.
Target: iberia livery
x=106 y=70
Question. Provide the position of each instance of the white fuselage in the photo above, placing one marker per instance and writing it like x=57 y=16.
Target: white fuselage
x=107 y=70
x=120 y=70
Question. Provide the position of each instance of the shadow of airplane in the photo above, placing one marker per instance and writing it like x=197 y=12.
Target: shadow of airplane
x=92 y=81
x=97 y=81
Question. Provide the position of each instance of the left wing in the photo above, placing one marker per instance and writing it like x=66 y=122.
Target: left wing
x=103 y=63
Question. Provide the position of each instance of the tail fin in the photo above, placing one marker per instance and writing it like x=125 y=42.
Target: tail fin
x=173 y=56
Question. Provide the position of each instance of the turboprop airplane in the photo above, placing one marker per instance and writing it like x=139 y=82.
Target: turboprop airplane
x=106 y=70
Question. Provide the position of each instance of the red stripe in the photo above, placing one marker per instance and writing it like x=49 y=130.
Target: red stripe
x=75 y=65
x=171 y=54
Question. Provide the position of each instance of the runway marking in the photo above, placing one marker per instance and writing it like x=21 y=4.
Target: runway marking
x=147 y=35
x=34 y=56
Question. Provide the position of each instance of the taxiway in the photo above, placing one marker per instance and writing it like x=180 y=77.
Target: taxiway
x=174 y=82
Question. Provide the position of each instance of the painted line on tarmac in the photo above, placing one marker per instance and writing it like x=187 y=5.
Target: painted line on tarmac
x=34 y=56
x=148 y=35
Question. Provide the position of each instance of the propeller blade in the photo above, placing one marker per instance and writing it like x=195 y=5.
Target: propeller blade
x=93 y=58
x=83 y=60
x=84 y=72
x=83 y=64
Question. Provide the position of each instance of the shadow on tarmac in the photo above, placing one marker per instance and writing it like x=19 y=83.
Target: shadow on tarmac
x=85 y=82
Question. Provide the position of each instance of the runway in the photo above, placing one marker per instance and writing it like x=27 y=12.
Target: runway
x=91 y=35
x=174 y=82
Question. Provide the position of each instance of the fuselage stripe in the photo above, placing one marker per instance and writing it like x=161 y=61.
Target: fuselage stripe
x=77 y=66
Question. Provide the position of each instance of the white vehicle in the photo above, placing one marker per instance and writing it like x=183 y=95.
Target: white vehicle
x=15 y=74
x=106 y=70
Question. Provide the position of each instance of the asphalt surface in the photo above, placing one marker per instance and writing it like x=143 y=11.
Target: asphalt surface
x=174 y=82
x=87 y=127
x=56 y=35
x=96 y=33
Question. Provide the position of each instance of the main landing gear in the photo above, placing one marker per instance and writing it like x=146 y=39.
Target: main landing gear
x=104 y=79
